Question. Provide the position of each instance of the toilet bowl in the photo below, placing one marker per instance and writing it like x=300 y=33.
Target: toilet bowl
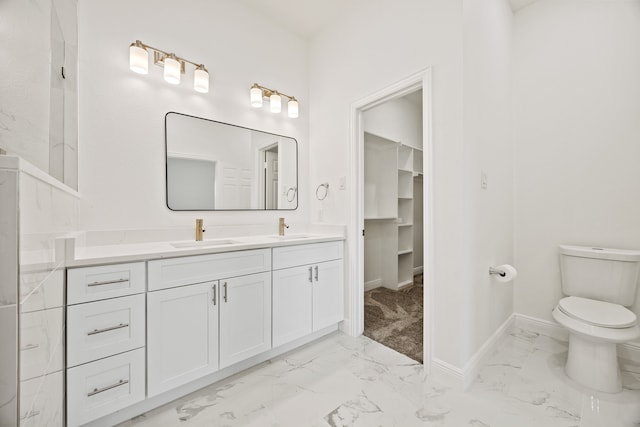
x=599 y=284
x=595 y=328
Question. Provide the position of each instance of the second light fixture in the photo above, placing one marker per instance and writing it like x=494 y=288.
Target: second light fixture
x=258 y=93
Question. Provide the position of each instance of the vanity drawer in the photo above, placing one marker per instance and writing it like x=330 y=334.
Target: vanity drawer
x=105 y=386
x=40 y=343
x=104 y=281
x=173 y=272
x=292 y=256
x=104 y=328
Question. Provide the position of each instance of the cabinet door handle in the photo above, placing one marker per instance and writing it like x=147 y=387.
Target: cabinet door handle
x=110 y=328
x=225 y=292
x=213 y=298
x=316 y=273
x=310 y=274
x=108 y=282
x=109 y=387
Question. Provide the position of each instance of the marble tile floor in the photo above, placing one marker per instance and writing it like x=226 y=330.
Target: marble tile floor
x=343 y=381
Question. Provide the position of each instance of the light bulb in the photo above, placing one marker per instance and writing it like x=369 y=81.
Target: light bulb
x=292 y=108
x=275 y=103
x=138 y=58
x=201 y=79
x=172 y=70
x=256 y=96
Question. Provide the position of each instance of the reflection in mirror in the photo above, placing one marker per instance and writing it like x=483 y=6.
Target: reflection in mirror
x=218 y=166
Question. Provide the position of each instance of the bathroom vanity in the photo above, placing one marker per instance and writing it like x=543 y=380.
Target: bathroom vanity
x=145 y=327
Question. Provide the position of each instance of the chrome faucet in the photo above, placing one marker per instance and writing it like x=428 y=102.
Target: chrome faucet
x=199 y=229
x=281 y=226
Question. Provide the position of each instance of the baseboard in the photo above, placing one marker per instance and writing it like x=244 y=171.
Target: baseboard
x=448 y=372
x=372 y=284
x=418 y=270
x=474 y=364
x=464 y=377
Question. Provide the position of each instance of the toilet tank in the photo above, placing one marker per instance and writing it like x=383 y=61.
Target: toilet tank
x=598 y=273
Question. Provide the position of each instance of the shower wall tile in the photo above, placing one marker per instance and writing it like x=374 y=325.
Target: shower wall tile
x=8 y=237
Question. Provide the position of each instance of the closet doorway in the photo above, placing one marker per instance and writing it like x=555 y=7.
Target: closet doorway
x=391 y=139
x=393 y=293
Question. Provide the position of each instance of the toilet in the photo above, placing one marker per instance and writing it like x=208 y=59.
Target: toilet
x=598 y=283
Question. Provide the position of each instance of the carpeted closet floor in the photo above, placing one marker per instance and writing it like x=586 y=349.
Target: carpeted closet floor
x=394 y=318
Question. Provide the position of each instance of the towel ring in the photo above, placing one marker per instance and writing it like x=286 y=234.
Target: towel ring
x=291 y=197
x=322 y=194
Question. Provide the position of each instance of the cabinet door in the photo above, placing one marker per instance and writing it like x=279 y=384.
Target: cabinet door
x=245 y=317
x=328 y=294
x=182 y=335
x=292 y=288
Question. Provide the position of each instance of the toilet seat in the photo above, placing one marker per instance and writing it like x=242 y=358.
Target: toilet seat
x=597 y=313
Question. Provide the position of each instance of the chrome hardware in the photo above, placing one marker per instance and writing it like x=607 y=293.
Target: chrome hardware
x=310 y=274
x=316 y=273
x=108 y=282
x=213 y=298
x=111 y=328
x=29 y=347
x=109 y=387
x=225 y=291
x=496 y=271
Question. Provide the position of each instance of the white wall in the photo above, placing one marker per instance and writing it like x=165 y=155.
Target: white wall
x=578 y=131
x=122 y=113
x=398 y=120
x=488 y=147
x=376 y=43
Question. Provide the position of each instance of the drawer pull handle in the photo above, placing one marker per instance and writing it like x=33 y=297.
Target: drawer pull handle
x=108 y=282
x=111 y=328
x=316 y=273
x=213 y=298
x=30 y=414
x=310 y=274
x=225 y=291
x=29 y=347
x=109 y=387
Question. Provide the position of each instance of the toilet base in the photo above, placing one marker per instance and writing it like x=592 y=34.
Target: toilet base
x=593 y=364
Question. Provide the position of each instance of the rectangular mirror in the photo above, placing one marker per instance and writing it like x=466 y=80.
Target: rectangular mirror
x=218 y=166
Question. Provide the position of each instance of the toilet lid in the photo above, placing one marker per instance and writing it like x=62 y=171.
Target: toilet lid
x=597 y=313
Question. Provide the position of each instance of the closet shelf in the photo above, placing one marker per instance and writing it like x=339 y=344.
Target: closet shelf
x=405 y=252
x=385 y=218
x=405 y=225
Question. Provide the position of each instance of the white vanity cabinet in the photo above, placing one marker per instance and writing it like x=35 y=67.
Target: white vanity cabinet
x=245 y=317
x=182 y=340
x=206 y=312
x=308 y=291
x=105 y=340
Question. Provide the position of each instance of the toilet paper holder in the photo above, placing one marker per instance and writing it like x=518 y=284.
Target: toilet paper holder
x=496 y=271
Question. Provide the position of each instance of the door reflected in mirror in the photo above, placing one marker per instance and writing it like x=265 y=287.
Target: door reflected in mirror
x=218 y=166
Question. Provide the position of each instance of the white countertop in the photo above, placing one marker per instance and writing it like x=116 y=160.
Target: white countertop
x=109 y=254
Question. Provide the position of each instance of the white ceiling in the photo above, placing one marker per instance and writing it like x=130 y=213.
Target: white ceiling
x=302 y=17
x=306 y=17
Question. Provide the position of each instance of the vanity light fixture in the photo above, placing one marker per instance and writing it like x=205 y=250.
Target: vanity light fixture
x=258 y=93
x=173 y=65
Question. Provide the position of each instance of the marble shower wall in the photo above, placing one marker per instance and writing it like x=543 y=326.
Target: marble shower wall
x=47 y=211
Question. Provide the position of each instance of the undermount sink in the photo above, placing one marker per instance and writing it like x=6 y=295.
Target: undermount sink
x=202 y=243
x=291 y=237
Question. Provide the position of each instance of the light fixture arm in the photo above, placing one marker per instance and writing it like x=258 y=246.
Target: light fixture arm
x=266 y=92
x=160 y=54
